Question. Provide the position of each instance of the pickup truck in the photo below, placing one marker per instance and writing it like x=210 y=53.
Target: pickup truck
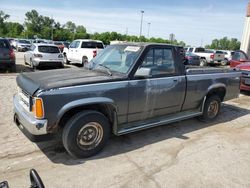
x=209 y=57
x=81 y=51
x=130 y=87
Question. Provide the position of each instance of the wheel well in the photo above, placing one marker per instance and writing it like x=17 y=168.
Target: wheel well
x=105 y=109
x=221 y=92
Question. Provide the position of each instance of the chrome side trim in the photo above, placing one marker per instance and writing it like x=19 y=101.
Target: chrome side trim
x=166 y=121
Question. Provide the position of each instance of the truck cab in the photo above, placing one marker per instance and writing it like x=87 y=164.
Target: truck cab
x=82 y=51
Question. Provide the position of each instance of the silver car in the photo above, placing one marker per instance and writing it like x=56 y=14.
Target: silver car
x=47 y=55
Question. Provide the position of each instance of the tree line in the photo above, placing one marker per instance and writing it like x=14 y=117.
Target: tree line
x=36 y=25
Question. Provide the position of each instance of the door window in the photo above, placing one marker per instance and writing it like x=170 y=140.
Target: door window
x=159 y=62
x=77 y=44
x=72 y=45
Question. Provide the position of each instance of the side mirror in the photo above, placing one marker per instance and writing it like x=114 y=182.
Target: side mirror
x=143 y=72
x=35 y=179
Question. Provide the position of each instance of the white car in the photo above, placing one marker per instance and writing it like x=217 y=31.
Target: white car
x=47 y=55
x=212 y=57
x=228 y=55
x=82 y=51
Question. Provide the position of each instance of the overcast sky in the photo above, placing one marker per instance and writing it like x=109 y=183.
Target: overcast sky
x=195 y=22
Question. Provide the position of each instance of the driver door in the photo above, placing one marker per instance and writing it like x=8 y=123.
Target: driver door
x=160 y=91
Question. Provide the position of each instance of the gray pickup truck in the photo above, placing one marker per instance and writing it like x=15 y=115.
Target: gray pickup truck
x=128 y=87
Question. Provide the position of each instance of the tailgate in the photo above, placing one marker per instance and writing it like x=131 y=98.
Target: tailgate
x=219 y=56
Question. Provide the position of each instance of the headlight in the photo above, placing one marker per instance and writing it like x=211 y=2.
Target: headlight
x=37 y=108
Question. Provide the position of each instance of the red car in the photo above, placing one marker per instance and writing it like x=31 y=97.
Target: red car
x=59 y=44
x=241 y=61
x=245 y=78
x=238 y=58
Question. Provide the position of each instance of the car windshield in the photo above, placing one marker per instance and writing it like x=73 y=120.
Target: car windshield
x=48 y=49
x=117 y=58
x=24 y=41
x=58 y=43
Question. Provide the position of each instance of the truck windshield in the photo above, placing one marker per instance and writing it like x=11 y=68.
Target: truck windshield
x=117 y=58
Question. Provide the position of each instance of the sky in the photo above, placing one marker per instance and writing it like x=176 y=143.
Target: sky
x=194 y=22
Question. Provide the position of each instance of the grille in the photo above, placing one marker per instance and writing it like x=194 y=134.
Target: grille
x=24 y=99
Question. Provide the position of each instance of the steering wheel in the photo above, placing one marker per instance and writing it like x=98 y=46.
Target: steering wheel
x=35 y=179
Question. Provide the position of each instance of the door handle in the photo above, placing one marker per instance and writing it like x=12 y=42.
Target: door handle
x=175 y=80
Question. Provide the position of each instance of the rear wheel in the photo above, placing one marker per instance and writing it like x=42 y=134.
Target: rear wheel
x=86 y=133
x=224 y=62
x=203 y=62
x=211 y=108
x=84 y=61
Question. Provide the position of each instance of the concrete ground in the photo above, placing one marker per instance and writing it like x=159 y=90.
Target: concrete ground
x=184 y=154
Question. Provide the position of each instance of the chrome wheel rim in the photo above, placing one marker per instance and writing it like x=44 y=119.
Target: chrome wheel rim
x=213 y=109
x=89 y=136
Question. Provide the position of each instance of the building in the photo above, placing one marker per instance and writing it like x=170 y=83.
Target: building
x=245 y=41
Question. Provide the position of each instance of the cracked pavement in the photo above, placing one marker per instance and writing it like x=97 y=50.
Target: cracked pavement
x=183 y=154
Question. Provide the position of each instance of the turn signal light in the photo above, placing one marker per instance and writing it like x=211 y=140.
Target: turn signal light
x=37 y=108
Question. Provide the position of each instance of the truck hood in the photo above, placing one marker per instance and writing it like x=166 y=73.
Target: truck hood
x=52 y=79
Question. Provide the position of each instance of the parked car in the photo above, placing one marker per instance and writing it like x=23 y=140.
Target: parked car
x=192 y=59
x=208 y=57
x=132 y=86
x=245 y=78
x=66 y=44
x=239 y=57
x=82 y=51
x=228 y=55
x=7 y=55
x=47 y=55
x=22 y=45
x=59 y=44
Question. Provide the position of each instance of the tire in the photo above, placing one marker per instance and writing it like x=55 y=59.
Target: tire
x=224 y=63
x=211 y=108
x=84 y=61
x=25 y=63
x=203 y=63
x=65 y=59
x=80 y=125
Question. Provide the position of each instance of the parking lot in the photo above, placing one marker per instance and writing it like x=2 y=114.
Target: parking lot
x=184 y=154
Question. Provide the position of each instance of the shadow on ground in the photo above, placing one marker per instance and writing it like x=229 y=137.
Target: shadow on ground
x=117 y=145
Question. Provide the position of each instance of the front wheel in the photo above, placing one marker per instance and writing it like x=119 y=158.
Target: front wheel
x=211 y=108
x=65 y=59
x=86 y=133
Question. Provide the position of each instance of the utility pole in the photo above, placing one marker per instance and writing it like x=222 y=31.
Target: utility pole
x=52 y=32
x=142 y=12
x=148 y=28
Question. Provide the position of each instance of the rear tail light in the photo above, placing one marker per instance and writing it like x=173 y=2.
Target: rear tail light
x=37 y=108
x=212 y=56
x=94 y=53
x=12 y=54
x=38 y=55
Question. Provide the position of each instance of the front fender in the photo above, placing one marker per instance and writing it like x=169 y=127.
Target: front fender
x=84 y=102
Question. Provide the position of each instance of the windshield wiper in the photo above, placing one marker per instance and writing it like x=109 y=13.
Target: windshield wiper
x=106 y=68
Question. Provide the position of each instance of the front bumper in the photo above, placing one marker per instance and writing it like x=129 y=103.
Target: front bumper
x=26 y=122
